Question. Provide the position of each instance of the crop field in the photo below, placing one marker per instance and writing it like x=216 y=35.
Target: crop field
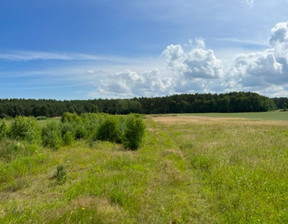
x=188 y=169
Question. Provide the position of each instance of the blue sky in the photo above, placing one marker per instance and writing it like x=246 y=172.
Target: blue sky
x=72 y=49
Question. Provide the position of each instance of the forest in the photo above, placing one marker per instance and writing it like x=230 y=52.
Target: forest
x=184 y=103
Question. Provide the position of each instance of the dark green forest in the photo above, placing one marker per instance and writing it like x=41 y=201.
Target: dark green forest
x=184 y=103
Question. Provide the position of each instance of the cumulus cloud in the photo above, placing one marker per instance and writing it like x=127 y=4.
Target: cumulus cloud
x=192 y=68
x=267 y=67
x=279 y=34
x=199 y=62
x=131 y=83
x=258 y=69
x=195 y=70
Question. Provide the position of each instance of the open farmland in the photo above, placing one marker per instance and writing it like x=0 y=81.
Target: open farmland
x=189 y=169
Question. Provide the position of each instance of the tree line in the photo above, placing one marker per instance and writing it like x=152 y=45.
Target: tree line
x=184 y=103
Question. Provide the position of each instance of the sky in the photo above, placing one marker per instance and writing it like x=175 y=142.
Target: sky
x=90 y=49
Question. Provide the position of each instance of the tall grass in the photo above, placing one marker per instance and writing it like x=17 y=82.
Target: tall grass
x=185 y=171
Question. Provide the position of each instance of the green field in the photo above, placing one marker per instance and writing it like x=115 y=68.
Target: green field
x=275 y=115
x=189 y=169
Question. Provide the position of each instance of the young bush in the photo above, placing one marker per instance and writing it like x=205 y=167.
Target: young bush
x=67 y=127
x=51 y=136
x=60 y=174
x=25 y=128
x=108 y=130
x=134 y=132
x=3 y=129
x=70 y=117
x=80 y=131
x=68 y=138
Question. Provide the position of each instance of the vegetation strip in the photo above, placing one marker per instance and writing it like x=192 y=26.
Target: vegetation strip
x=184 y=103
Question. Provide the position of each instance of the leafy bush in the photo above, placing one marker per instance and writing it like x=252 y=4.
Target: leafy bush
x=68 y=138
x=80 y=131
x=25 y=128
x=70 y=117
x=134 y=132
x=3 y=129
x=51 y=136
x=108 y=130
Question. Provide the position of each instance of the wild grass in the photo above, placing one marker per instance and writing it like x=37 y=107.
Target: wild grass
x=188 y=170
x=272 y=115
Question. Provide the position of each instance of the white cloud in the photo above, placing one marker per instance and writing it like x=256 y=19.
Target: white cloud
x=197 y=63
x=279 y=33
x=265 y=68
x=258 y=69
x=249 y=2
x=131 y=83
x=257 y=43
x=279 y=41
x=62 y=56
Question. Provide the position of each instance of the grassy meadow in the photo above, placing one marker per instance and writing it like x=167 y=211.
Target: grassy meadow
x=271 y=115
x=189 y=169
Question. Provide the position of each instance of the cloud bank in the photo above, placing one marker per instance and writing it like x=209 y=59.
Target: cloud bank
x=198 y=69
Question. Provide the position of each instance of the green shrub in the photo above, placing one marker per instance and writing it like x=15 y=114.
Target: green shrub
x=108 y=130
x=25 y=128
x=60 y=174
x=68 y=138
x=3 y=128
x=80 y=131
x=51 y=136
x=134 y=132
x=71 y=117
x=67 y=127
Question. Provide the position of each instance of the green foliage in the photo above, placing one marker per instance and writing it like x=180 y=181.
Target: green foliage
x=80 y=131
x=108 y=130
x=67 y=127
x=134 y=132
x=3 y=129
x=184 y=103
x=60 y=174
x=25 y=128
x=68 y=138
x=11 y=149
x=70 y=117
x=51 y=136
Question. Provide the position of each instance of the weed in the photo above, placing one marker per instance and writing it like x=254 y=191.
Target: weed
x=60 y=174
